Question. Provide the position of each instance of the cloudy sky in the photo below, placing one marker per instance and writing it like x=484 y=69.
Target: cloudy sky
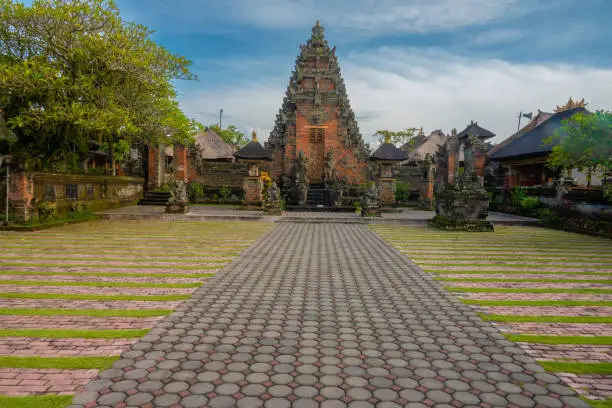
x=406 y=63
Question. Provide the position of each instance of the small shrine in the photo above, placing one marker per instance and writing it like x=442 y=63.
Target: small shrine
x=461 y=201
x=254 y=155
x=386 y=158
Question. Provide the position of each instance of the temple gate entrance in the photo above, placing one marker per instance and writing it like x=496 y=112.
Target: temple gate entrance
x=316 y=147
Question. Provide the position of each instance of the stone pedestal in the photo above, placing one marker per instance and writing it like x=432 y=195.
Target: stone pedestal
x=386 y=191
x=253 y=188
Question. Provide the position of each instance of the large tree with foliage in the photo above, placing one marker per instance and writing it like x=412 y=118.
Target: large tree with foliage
x=231 y=135
x=72 y=72
x=398 y=137
x=584 y=141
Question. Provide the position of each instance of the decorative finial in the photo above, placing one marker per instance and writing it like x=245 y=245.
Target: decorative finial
x=387 y=138
x=254 y=136
x=318 y=32
x=571 y=104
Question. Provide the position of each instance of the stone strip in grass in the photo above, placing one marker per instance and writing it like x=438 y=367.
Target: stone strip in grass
x=35 y=401
x=457 y=257
x=512 y=272
x=594 y=303
x=526 y=290
x=84 y=312
x=546 y=319
x=528 y=338
x=63 y=347
x=533 y=280
x=64 y=363
x=121 y=266
x=524 y=266
x=68 y=296
x=81 y=334
x=547 y=310
x=577 y=367
x=113 y=274
x=554 y=329
x=18 y=303
x=78 y=322
x=210 y=259
x=102 y=284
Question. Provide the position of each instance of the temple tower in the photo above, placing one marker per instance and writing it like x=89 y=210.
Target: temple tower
x=316 y=118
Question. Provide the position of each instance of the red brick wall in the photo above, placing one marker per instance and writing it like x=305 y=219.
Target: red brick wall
x=347 y=164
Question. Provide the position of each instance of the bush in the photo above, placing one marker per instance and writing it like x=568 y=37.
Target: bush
x=225 y=192
x=79 y=207
x=46 y=211
x=402 y=191
x=195 y=191
x=517 y=194
x=530 y=203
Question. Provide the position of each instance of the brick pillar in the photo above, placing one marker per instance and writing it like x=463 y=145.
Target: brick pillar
x=21 y=193
x=180 y=157
x=452 y=164
x=153 y=167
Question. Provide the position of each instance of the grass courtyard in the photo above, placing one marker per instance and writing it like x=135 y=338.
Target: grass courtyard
x=550 y=291
x=72 y=298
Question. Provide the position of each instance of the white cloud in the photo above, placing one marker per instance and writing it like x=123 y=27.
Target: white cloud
x=354 y=17
x=395 y=88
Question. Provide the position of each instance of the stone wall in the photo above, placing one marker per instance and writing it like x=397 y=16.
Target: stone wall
x=97 y=192
x=219 y=174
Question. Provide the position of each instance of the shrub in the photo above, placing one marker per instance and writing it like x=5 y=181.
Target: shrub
x=46 y=210
x=195 y=191
x=402 y=191
x=530 y=203
x=79 y=207
x=225 y=192
x=516 y=196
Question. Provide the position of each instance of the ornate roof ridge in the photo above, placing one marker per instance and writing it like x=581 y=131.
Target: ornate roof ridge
x=570 y=105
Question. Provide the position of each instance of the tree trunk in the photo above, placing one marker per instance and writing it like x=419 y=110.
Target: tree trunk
x=112 y=153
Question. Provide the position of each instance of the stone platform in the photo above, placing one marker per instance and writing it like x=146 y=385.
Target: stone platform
x=235 y=213
x=307 y=318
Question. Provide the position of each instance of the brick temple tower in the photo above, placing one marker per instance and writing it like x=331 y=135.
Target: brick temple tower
x=316 y=118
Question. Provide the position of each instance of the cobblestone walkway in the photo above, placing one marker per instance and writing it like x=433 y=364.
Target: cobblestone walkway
x=324 y=315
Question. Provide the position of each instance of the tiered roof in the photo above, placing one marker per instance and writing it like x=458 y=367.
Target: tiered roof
x=253 y=151
x=315 y=48
x=474 y=130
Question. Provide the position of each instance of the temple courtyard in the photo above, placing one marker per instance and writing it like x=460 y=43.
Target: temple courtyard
x=160 y=313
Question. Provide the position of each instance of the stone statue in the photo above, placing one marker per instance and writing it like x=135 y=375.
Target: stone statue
x=330 y=167
x=370 y=198
x=273 y=197
x=461 y=201
x=301 y=178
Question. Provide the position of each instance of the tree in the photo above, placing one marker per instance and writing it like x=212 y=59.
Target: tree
x=75 y=71
x=231 y=135
x=398 y=138
x=584 y=142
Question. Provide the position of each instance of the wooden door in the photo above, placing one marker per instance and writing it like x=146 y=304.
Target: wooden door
x=316 y=157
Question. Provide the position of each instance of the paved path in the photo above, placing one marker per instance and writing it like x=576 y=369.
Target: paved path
x=324 y=315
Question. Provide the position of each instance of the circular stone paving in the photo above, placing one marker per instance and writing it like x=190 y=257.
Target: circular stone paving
x=325 y=315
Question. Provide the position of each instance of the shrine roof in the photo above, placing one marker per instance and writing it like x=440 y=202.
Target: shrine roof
x=531 y=143
x=253 y=151
x=212 y=146
x=388 y=151
x=474 y=130
x=539 y=118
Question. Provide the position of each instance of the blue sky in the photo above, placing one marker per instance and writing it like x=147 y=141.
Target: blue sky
x=435 y=63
